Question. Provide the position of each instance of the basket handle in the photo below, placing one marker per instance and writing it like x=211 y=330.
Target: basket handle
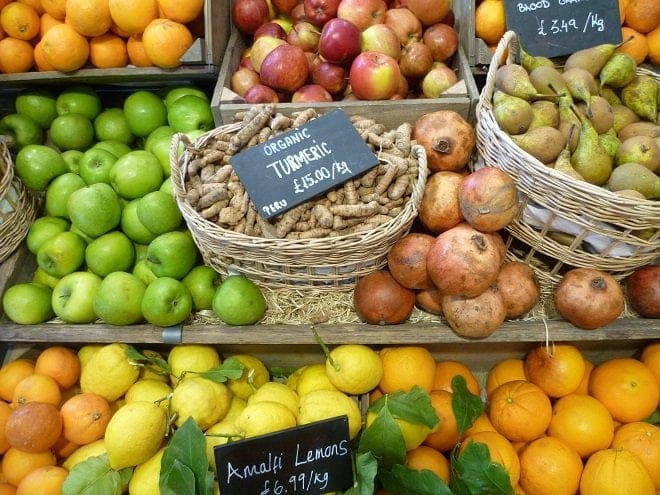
x=508 y=45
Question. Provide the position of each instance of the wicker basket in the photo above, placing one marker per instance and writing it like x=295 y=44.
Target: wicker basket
x=18 y=206
x=328 y=263
x=563 y=222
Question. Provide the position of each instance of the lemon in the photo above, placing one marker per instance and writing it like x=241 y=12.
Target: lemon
x=190 y=358
x=414 y=434
x=235 y=408
x=146 y=477
x=219 y=434
x=239 y=301
x=354 y=368
x=326 y=404
x=255 y=374
x=292 y=379
x=84 y=452
x=108 y=372
x=151 y=371
x=276 y=392
x=313 y=377
x=150 y=390
x=259 y=418
x=135 y=433
x=204 y=400
x=87 y=351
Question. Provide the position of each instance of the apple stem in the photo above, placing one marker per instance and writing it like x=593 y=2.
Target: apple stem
x=325 y=348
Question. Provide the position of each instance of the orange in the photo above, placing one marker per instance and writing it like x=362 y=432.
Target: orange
x=88 y=17
x=445 y=436
x=107 y=51
x=613 y=472
x=519 y=410
x=12 y=373
x=39 y=60
x=5 y=411
x=558 y=369
x=490 y=21
x=180 y=11
x=133 y=17
x=63 y=448
x=406 y=366
x=653 y=42
x=15 y=55
x=501 y=451
x=34 y=426
x=16 y=464
x=166 y=42
x=19 y=21
x=60 y=363
x=35 y=4
x=47 y=22
x=642 y=439
x=622 y=10
x=36 y=387
x=582 y=422
x=549 y=466
x=7 y=489
x=85 y=417
x=64 y=48
x=136 y=54
x=504 y=371
x=583 y=388
x=637 y=47
x=424 y=457
x=627 y=387
x=447 y=369
x=55 y=8
x=643 y=16
x=651 y=353
x=46 y=480
x=482 y=423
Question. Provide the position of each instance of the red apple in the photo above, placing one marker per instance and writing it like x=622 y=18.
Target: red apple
x=248 y=15
x=305 y=35
x=246 y=60
x=416 y=60
x=311 y=93
x=362 y=13
x=298 y=13
x=381 y=38
x=320 y=11
x=284 y=6
x=403 y=89
x=261 y=47
x=243 y=79
x=285 y=68
x=438 y=80
x=260 y=93
x=340 y=41
x=333 y=77
x=643 y=291
x=450 y=18
x=270 y=28
x=429 y=11
x=405 y=24
x=374 y=76
x=442 y=39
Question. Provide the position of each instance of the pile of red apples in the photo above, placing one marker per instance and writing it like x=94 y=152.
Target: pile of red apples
x=331 y=50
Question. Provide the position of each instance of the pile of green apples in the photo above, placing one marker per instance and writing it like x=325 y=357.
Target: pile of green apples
x=110 y=242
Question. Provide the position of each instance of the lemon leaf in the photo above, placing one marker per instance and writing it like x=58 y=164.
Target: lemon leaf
x=384 y=440
x=92 y=476
x=466 y=406
x=413 y=406
x=473 y=473
x=366 y=468
x=401 y=479
x=231 y=368
x=654 y=418
x=152 y=359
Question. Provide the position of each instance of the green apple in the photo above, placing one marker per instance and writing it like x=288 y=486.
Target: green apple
x=136 y=174
x=144 y=111
x=118 y=300
x=111 y=124
x=172 y=254
x=160 y=147
x=28 y=303
x=140 y=251
x=72 y=159
x=158 y=212
x=202 y=282
x=41 y=277
x=239 y=301
x=159 y=132
x=71 y=131
x=80 y=99
x=95 y=209
x=62 y=254
x=85 y=237
x=37 y=164
x=167 y=186
x=95 y=165
x=131 y=225
x=109 y=253
x=166 y=302
x=171 y=94
x=38 y=104
x=143 y=272
x=42 y=229
x=58 y=192
x=73 y=297
x=22 y=130
x=190 y=112
x=117 y=148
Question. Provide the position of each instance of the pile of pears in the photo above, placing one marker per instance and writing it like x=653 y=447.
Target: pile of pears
x=594 y=118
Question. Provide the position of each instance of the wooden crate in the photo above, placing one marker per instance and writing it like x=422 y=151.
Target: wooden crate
x=477 y=52
x=461 y=98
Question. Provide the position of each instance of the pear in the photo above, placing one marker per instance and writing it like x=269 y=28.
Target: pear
x=610 y=142
x=580 y=83
x=543 y=143
x=591 y=59
x=511 y=113
x=639 y=149
x=623 y=116
x=563 y=162
x=548 y=81
x=639 y=128
x=610 y=95
x=531 y=62
x=600 y=114
x=544 y=113
x=590 y=158
x=641 y=96
x=513 y=79
x=568 y=119
x=618 y=71
x=637 y=177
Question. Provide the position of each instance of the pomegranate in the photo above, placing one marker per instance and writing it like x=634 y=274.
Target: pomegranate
x=518 y=287
x=643 y=290
x=379 y=299
x=406 y=260
x=464 y=261
x=475 y=317
x=588 y=298
x=429 y=300
x=439 y=209
x=488 y=199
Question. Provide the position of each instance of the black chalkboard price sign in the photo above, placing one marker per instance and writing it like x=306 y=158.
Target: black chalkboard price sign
x=303 y=162
x=552 y=28
x=311 y=459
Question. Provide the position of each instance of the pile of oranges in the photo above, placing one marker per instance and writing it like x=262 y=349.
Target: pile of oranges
x=639 y=19
x=66 y=35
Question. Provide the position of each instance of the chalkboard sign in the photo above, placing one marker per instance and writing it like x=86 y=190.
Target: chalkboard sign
x=303 y=162
x=310 y=459
x=552 y=28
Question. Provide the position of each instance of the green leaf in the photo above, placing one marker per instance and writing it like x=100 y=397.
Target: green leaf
x=179 y=480
x=654 y=418
x=466 y=406
x=230 y=369
x=366 y=467
x=474 y=473
x=413 y=406
x=93 y=476
x=401 y=479
x=383 y=439
x=153 y=360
